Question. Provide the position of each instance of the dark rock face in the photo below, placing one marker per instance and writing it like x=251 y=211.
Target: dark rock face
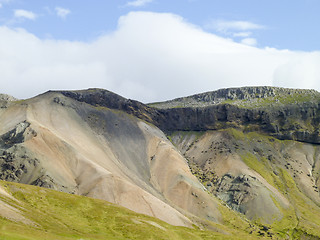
x=293 y=121
x=17 y=164
x=104 y=98
x=237 y=191
x=19 y=134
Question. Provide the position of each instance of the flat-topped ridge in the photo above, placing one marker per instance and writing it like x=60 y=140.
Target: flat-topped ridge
x=234 y=94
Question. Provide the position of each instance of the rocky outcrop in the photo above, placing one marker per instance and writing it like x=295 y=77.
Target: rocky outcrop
x=6 y=100
x=232 y=94
x=293 y=121
x=104 y=98
x=20 y=133
x=6 y=97
x=17 y=163
x=247 y=195
x=15 y=166
x=292 y=114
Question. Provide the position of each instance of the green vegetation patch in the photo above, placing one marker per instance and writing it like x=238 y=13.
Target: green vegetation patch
x=279 y=100
x=64 y=216
x=259 y=165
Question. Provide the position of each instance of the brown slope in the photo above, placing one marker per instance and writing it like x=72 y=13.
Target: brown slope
x=251 y=171
x=57 y=142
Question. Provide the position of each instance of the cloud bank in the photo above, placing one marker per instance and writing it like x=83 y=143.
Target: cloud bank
x=149 y=57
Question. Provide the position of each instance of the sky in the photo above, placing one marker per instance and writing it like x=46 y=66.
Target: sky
x=155 y=50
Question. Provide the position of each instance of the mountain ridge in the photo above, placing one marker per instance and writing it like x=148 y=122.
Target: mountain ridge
x=283 y=117
x=183 y=165
x=221 y=95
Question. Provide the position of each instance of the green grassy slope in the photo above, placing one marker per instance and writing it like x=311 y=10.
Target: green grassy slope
x=64 y=216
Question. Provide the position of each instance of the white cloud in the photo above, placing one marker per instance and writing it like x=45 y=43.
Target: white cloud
x=0 y=5
x=62 y=12
x=242 y=34
x=138 y=3
x=21 y=13
x=249 y=41
x=226 y=26
x=301 y=71
x=236 y=29
x=150 y=57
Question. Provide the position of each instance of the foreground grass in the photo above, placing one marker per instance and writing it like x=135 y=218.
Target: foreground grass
x=59 y=215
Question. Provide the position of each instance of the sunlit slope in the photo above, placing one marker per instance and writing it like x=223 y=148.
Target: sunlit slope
x=268 y=180
x=57 y=142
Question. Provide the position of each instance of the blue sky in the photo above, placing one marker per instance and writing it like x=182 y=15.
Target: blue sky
x=153 y=50
x=283 y=24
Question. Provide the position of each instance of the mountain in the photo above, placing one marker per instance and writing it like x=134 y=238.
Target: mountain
x=247 y=155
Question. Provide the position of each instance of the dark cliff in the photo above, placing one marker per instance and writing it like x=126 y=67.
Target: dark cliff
x=105 y=98
x=283 y=113
x=292 y=122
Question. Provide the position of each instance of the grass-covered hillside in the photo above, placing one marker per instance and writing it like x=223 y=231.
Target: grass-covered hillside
x=39 y=213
